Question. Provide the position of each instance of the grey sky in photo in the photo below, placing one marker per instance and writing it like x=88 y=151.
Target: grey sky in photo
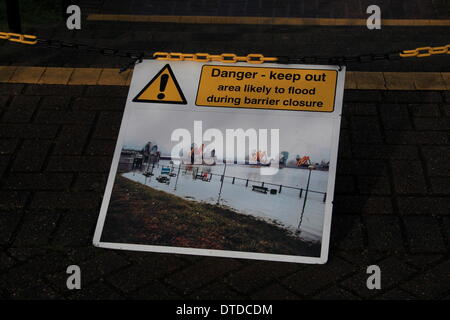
x=298 y=135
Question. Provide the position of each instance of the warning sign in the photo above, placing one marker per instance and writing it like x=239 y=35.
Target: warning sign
x=163 y=88
x=267 y=88
x=207 y=150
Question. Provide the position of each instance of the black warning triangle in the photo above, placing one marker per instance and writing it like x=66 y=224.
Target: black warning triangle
x=163 y=88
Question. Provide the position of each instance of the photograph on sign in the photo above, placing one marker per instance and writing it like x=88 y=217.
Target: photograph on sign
x=225 y=160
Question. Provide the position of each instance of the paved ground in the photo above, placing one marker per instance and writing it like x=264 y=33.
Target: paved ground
x=269 y=40
x=392 y=190
x=273 y=8
x=391 y=205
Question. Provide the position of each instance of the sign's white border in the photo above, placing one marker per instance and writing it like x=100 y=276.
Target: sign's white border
x=226 y=253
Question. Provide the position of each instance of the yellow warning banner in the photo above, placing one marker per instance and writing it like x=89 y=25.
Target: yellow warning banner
x=267 y=88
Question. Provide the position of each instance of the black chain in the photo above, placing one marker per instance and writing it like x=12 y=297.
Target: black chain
x=137 y=57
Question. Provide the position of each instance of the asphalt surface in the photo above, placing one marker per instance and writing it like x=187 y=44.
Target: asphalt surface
x=392 y=188
x=270 y=40
x=412 y=9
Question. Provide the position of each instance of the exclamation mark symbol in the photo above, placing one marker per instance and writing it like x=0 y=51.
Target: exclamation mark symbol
x=162 y=86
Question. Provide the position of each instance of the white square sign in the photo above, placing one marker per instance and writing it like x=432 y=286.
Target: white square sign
x=228 y=160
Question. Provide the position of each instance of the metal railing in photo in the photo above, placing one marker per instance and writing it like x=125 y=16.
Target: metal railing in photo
x=277 y=185
x=233 y=179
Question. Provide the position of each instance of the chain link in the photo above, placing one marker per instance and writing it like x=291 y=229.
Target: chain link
x=17 y=37
x=252 y=58
x=425 y=51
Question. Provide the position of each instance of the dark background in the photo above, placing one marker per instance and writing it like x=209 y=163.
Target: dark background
x=392 y=188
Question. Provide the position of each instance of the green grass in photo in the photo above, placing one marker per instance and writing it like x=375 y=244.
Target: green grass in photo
x=142 y=215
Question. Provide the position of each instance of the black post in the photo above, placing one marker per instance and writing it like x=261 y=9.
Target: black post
x=13 y=13
x=279 y=191
x=304 y=200
x=64 y=5
x=221 y=183
x=178 y=174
